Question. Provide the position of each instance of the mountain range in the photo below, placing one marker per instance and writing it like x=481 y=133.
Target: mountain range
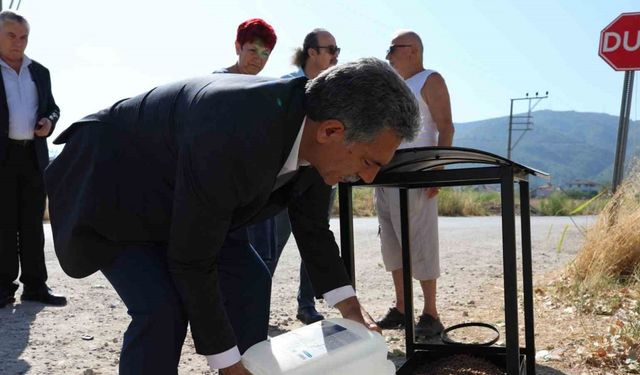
x=569 y=145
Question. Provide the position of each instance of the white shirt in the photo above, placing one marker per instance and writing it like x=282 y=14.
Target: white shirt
x=428 y=135
x=293 y=162
x=22 y=100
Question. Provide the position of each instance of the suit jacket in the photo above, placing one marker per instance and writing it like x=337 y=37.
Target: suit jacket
x=183 y=165
x=46 y=108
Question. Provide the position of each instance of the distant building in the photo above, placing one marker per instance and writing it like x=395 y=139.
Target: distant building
x=584 y=187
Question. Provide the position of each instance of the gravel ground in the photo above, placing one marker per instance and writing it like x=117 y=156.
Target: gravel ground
x=85 y=336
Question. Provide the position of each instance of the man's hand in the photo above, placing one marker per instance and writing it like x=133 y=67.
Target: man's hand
x=431 y=192
x=350 y=309
x=43 y=127
x=236 y=369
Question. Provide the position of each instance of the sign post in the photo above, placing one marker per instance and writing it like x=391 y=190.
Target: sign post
x=620 y=48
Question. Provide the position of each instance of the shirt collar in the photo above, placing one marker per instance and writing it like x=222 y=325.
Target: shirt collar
x=26 y=61
x=293 y=162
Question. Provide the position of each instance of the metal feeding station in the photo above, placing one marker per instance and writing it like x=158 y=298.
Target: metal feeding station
x=422 y=167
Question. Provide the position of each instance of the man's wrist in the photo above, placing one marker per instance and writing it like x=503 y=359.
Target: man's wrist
x=350 y=309
x=337 y=295
x=224 y=359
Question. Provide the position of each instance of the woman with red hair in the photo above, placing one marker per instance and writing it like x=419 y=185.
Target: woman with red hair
x=254 y=42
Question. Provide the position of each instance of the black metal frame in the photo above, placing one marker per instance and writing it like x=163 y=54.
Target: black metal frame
x=514 y=359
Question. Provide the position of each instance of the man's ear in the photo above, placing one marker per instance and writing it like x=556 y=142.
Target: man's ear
x=330 y=131
x=238 y=48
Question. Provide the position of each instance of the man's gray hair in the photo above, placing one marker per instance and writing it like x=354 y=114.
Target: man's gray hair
x=367 y=96
x=7 y=15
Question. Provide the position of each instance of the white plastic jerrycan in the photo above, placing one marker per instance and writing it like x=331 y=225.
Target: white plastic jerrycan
x=327 y=347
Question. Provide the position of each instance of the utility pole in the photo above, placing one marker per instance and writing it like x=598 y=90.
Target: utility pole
x=623 y=130
x=525 y=120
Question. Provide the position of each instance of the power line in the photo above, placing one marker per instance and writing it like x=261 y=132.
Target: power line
x=11 y=5
x=527 y=120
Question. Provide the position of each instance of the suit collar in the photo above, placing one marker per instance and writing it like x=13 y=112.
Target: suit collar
x=295 y=109
x=26 y=61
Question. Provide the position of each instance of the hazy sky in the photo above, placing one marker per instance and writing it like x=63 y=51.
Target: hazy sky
x=488 y=51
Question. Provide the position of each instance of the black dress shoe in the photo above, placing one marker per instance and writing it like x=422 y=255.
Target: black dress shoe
x=309 y=315
x=44 y=296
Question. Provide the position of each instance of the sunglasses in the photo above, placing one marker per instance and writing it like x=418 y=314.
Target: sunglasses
x=393 y=48
x=334 y=50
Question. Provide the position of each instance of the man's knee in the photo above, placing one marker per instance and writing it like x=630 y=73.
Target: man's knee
x=171 y=312
x=260 y=282
x=168 y=316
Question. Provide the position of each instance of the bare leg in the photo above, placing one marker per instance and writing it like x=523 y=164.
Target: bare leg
x=429 y=288
x=399 y=288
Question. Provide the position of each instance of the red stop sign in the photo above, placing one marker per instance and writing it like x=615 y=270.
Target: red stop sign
x=620 y=42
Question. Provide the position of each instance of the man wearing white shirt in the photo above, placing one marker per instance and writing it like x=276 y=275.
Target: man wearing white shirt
x=28 y=114
x=405 y=54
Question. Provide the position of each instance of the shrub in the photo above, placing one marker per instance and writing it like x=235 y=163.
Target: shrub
x=556 y=204
x=612 y=246
x=467 y=202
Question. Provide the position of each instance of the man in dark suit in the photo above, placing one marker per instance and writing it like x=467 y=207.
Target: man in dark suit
x=28 y=114
x=148 y=190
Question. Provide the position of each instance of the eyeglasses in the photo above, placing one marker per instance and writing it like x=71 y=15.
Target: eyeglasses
x=393 y=48
x=334 y=50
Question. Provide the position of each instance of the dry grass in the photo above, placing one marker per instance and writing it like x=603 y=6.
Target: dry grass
x=604 y=281
x=562 y=204
x=612 y=246
x=451 y=202
x=467 y=202
x=472 y=202
x=362 y=201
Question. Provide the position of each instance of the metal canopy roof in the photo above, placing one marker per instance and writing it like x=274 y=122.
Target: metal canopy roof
x=423 y=166
x=429 y=158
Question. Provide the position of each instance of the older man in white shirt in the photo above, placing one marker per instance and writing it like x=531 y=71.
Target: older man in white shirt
x=28 y=114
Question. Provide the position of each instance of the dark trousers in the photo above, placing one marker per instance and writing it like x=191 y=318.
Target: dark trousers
x=22 y=200
x=153 y=341
x=269 y=237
